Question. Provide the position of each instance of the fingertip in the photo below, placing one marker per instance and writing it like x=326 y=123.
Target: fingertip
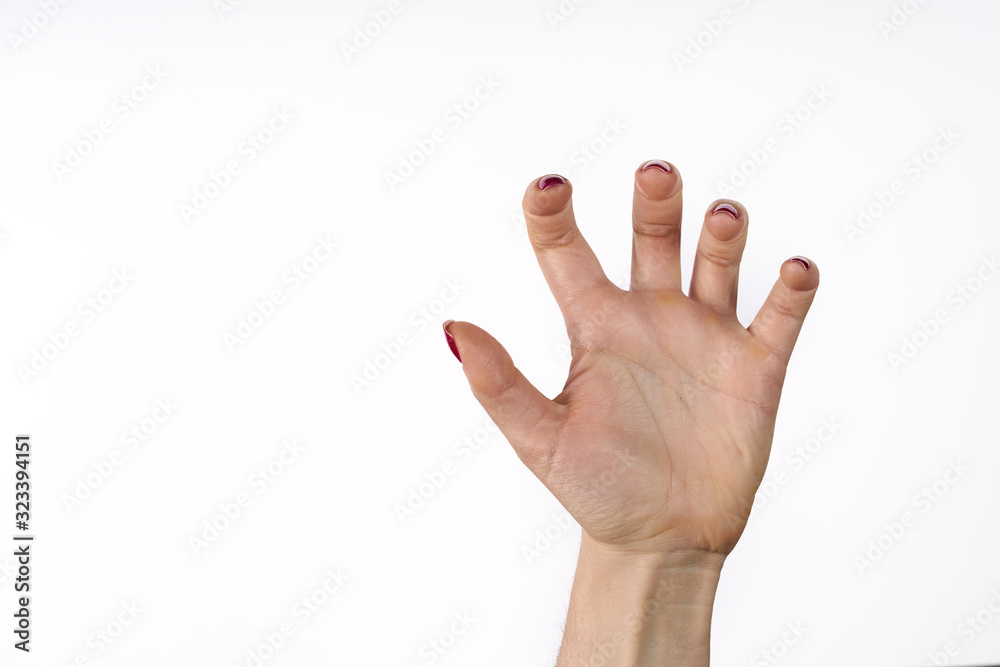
x=523 y=414
x=658 y=180
x=547 y=195
x=800 y=274
x=485 y=362
x=726 y=219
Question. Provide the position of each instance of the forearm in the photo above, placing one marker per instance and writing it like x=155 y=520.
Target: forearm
x=640 y=610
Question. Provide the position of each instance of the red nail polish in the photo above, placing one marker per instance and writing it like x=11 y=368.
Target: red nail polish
x=657 y=164
x=451 y=339
x=551 y=179
x=727 y=208
x=801 y=260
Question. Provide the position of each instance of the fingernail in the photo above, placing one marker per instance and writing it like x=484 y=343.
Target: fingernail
x=727 y=208
x=450 y=339
x=801 y=260
x=551 y=179
x=658 y=164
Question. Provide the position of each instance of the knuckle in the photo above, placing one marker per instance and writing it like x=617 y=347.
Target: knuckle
x=781 y=308
x=548 y=238
x=725 y=255
x=656 y=229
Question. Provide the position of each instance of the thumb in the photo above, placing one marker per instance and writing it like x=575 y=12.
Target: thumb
x=523 y=414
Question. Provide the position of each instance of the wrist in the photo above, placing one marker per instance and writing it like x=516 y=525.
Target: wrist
x=637 y=608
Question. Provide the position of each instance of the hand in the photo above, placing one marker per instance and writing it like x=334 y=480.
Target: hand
x=661 y=435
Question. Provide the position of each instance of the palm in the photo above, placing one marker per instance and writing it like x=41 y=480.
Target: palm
x=662 y=432
x=670 y=419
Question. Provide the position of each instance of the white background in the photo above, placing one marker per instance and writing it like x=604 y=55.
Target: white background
x=561 y=74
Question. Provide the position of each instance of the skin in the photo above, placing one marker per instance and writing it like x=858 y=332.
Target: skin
x=661 y=435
